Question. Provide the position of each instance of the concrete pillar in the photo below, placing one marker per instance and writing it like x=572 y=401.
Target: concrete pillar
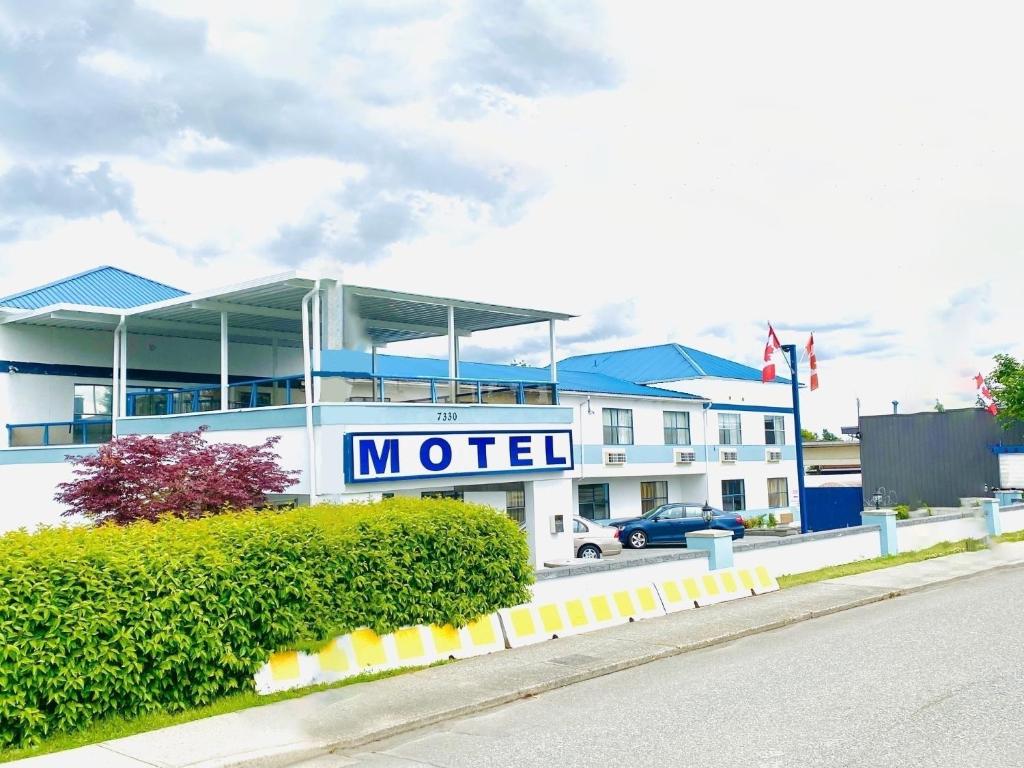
x=546 y=501
x=717 y=543
x=885 y=519
x=993 y=523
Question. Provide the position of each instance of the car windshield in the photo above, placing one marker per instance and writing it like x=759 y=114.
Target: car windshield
x=656 y=511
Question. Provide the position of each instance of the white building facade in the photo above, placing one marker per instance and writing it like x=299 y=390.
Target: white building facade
x=110 y=353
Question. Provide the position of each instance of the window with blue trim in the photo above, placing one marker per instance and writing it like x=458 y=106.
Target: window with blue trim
x=93 y=400
x=729 y=431
x=778 y=492
x=618 y=426
x=677 y=427
x=774 y=430
x=734 y=497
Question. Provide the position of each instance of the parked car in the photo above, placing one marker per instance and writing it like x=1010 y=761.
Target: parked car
x=591 y=540
x=669 y=524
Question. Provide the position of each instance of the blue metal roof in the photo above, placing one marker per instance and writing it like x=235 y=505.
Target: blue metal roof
x=99 y=287
x=664 y=362
x=350 y=361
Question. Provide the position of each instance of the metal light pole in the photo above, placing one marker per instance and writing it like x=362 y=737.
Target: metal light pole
x=790 y=349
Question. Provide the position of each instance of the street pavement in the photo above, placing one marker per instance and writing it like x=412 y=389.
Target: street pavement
x=934 y=678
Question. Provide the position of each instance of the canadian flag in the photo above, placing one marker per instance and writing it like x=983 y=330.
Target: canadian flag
x=813 y=360
x=768 y=371
x=985 y=395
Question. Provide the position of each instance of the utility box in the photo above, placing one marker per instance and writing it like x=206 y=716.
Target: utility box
x=558 y=523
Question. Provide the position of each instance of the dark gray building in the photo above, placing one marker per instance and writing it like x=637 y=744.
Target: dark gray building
x=933 y=458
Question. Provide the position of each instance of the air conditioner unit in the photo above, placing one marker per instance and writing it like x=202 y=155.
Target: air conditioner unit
x=685 y=457
x=730 y=457
x=615 y=458
x=774 y=456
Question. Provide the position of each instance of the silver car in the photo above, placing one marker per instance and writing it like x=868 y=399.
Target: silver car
x=592 y=540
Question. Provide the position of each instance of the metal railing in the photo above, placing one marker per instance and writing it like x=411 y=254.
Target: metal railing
x=77 y=432
x=255 y=393
x=350 y=387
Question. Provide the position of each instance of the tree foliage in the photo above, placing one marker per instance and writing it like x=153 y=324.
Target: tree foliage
x=1007 y=384
x=829 y=437
x=142 y=477
x=808 y=436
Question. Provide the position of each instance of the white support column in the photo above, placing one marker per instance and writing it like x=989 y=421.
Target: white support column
x=115 y=380
x=546 y=499
x=317 y=344
x=122 y=390
x=453 y=368
x=551 y=345
x=224 y=389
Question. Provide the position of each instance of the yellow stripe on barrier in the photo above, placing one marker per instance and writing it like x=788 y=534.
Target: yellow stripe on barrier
x=536 y=622
x=285 y=665
x=765 y=581
x=368 y=648
x=714 y=587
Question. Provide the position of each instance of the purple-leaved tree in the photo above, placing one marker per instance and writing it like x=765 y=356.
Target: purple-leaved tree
x=141 y=477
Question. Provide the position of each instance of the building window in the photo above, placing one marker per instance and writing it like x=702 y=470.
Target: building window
x=93 y=400
x=515 y=505
x=729 y=432
x=778 y=492
x=593 y=501
x=677 y=428
x=774 y=430
x=618 y=426
x=653 y=494
x=734 y=499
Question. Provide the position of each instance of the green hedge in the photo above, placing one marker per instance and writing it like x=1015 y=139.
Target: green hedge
x=103 y=621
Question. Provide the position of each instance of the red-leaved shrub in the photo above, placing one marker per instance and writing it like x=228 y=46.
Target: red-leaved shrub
x=142 y=477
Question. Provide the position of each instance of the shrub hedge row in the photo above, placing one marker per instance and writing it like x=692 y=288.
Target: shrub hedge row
x=166 y=616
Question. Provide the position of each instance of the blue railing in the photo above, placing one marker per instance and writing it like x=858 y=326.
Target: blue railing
x=357 y=386
x=254 y=393
x=77 y=432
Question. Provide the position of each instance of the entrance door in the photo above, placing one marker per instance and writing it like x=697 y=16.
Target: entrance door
x=593 y=502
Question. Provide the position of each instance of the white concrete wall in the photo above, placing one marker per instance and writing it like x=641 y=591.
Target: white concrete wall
x=924 y=535
x=799 y=557
x=1012 y=519
x=28 y=495
x=496 y=499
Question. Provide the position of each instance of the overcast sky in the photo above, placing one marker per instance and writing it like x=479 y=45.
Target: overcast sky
x=673 y=171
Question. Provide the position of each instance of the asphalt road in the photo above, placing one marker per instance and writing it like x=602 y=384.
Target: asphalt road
x=935 y=678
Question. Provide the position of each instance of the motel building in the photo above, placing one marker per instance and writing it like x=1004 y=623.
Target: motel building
x=108 y=353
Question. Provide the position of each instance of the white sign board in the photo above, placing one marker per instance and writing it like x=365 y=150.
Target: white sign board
x=375 y=456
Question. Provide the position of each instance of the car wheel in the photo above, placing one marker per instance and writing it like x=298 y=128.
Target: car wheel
x=589 y=552
x=638 y=539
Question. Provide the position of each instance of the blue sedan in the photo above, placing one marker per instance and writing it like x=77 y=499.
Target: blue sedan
x=669 y=524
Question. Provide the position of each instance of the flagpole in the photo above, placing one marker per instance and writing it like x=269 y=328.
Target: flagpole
x=790 y=349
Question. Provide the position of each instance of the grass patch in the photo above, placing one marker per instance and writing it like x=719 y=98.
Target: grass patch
x=1009 y=538
x=863 y=566
x=119 y=727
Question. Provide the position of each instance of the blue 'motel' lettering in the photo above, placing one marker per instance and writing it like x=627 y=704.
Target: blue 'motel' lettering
x=446 y=454
x=518 y=445
x=368 y=455
x=481 y=444
x=549 y=452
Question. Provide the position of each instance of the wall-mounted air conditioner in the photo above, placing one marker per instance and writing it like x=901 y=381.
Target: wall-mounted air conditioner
x=685 y=457
x=615 y=458
x=774 y=456
x=730 y=457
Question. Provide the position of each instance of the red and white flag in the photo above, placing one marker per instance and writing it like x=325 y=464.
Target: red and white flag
x=985 y=395
x=768 y=370
x=813 y=360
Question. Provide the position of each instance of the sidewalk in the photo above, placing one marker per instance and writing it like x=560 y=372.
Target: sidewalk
x=288 y=732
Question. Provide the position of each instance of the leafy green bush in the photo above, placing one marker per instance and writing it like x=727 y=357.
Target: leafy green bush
x=902 y=511
x=175 y=614
x=753 y=522
x=772 y=520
